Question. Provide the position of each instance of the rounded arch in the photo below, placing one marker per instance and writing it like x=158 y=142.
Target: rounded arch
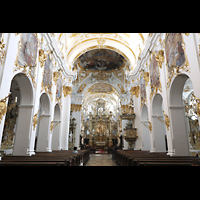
x=85 y=46
x=121 y=41
x=56 y=143
x=26 y=89
x=144 y=114
x=176 y=89
x=157 y=105
x=22 y=91
x=159 y=129
x=101 y=90
x=177 y=111
x=145 y=129
x=44 y=103
x=57 y=112
x=43 y=127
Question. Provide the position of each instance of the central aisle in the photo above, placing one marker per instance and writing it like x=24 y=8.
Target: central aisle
x=100 y=160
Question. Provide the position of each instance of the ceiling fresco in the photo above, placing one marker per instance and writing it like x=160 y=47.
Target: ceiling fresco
x=101 y=60
x=101 y=88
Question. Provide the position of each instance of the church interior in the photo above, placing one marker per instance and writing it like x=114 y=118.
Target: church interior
x=121 y=99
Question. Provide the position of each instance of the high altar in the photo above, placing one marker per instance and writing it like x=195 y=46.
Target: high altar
x=100 y=128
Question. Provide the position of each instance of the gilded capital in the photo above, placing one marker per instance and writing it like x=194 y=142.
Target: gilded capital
x=76 y=107
x=67 y=90
x=135 y=90
x=160 y=58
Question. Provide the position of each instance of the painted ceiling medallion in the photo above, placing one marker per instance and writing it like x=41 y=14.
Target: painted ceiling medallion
x=101 y=60
x=101 y=88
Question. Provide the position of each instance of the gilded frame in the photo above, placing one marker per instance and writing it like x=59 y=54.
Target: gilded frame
x=143 y=92
x=31 y=69
x=48 y=87
x=158 y=86
x=59 y=86
x=175 y=69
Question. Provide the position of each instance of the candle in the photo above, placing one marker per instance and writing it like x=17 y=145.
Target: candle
x=15 y=99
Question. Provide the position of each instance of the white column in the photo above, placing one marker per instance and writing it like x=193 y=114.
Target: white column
x=22 y=134
x=165 y=95
x=124 y=122
x=159 y=134
x=55 y=136
x=43 y=134
x=65 y=117
x=77 y=116
x=179 y=127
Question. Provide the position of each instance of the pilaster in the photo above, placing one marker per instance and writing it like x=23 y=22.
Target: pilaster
x=67 y=90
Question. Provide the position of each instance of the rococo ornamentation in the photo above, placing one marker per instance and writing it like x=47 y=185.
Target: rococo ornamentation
x=176 y=58
x=160 y=58
x=167 y=122
x=76 y=107
x=35 y=120
x=150 y=126
x=135 y=90
x=197 y=104
x=42 y=57
x=67 y=90
x=2 y=48
x=3 y=106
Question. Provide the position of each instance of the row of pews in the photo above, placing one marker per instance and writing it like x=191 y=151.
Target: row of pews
x=145 y=158
x=54 y=158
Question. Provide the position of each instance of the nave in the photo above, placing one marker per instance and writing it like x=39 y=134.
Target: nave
x=100 y=160
x=137 y=91
x=85 y=158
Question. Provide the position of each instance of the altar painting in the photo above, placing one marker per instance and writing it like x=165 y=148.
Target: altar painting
x=175 y=56
x=154 y=76
x=48 y=73
x=59 y=88
x=142 y=89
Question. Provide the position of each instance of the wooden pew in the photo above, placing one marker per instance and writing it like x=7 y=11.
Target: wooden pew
x=145 y=158
x=55 y=158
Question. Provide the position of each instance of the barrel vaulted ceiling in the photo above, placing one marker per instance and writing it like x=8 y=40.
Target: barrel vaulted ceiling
x=101 y=57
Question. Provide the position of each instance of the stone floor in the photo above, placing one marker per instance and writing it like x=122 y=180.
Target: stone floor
x=100 y=160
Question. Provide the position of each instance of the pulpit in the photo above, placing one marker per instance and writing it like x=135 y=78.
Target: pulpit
x=130 y=136
x=130 y=133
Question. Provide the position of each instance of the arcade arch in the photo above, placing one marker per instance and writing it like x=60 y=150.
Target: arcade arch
x=145 y=129
x=43 y=127
x=18 y=120
x=56 y=128
x=159 y=129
